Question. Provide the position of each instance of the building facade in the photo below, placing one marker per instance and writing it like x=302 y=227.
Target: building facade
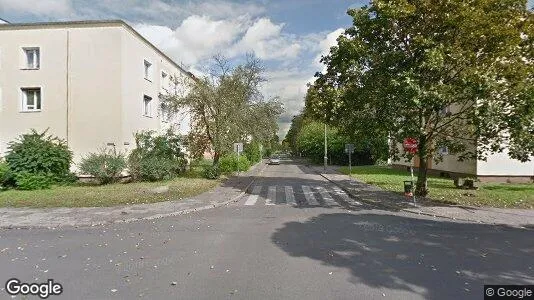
x=92 y=83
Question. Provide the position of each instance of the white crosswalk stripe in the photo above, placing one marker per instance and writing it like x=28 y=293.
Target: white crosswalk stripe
x=345 y=196
x=328 y=200
x=271 y=196
x=308 y=194
x=253 y=198
x=290 y=196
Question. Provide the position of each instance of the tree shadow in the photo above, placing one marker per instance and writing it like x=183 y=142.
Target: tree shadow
x=435 y=259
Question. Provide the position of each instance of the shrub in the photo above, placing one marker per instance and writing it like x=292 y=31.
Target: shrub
x=5 y=174
x=244 y=164
x=31 y=181
x=229 y=164
x=39 y=154
x=106 y=165
x=252 y=152
x=211 y=172
x=156 y=157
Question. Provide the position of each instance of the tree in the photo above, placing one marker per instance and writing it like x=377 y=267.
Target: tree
x=227 y=106
x=450 y=73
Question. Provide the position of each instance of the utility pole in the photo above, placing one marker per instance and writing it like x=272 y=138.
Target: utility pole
x=325 y=146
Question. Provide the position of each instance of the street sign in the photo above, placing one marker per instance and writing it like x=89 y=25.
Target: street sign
x=238 y=147
x=410 y=145
x=349 y=149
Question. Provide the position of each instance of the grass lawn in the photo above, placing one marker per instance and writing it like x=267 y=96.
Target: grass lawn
x=443 y=190
x=106 y=195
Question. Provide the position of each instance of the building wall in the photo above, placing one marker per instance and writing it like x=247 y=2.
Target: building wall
x=500 y=164
x=135 y=86
x=50 y=77
x=94 y=89
x=92 y=85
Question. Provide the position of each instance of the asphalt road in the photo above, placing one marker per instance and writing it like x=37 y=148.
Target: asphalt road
x=294 y=236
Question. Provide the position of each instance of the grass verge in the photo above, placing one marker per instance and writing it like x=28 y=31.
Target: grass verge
x=502 y=195
x=106 y=195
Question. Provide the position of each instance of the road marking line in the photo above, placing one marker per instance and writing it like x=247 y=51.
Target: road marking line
x=254 y=196
x=271 y=196
x=345 y=196
x=290 y=197
x=308 y=194
x=328 y=200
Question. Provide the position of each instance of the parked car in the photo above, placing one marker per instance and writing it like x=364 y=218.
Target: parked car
x=274 y=160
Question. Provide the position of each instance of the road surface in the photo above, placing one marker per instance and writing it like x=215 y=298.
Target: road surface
x=292 y=236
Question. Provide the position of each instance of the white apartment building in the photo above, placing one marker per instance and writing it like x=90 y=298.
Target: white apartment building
x=92 y=83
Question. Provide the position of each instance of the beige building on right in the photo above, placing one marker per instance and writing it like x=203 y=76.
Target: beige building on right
x=498 y=167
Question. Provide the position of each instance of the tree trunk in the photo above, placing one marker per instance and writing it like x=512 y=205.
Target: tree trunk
x=216 y=158
x=421 y=188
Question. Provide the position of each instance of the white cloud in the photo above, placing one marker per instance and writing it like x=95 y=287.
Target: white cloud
x=200 y=37
x=40 y=7
x=265 y=39
x=290 y=86
x=324 y=46
x=197 y=37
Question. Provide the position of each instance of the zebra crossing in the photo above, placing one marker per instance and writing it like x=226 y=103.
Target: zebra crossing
x=302 y=195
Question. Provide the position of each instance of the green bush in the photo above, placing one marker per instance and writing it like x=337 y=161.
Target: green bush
x=156 y=157
x=5 y=174
x=229 y=164
x=30 y=181
x=39 y=154
x=211 y=172
x=244 y=164
x=106 y=165
x=252 y=152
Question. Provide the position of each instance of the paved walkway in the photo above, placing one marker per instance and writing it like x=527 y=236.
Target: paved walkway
x=230 y=190
x=391 y=201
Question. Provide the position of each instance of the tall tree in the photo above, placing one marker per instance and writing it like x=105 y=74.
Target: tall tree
x=226 y=106
x=454 y=73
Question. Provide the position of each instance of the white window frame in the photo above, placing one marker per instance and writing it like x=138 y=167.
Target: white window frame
x=445 y=111
x=147 y=109
x=147 y=70
x=36 y=58
x=164 y=80
x=24 y=99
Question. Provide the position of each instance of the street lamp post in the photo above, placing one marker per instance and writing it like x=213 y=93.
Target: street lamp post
x=325 y=146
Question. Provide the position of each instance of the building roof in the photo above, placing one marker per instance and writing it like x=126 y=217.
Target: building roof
x=90 y=23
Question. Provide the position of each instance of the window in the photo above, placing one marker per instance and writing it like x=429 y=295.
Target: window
x=148 y=70
x=445 y=111
x=165 y=113
x=33 y=58
x=147 y=106
x=31 y=99
x=443 y=150
x=164 y=78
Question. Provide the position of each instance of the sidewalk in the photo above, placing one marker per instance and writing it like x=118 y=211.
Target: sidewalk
x=391 y=201
x=227 y=192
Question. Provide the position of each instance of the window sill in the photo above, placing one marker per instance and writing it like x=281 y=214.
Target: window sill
x=147 y=116
x=30 y=69
x=30 y=111
x=148 y=80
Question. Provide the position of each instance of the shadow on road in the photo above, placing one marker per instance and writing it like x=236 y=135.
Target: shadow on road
x=435 y=259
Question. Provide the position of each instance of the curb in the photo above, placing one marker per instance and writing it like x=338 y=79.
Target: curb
x=153 y=217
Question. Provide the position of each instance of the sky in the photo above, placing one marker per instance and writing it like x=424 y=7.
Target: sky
x=289 y=36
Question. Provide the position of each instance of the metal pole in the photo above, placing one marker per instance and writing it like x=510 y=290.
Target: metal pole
x=325 y=147
x=413 y=183
x=238 y=160
x=350 y=164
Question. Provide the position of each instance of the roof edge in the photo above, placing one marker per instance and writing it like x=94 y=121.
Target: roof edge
x=92 y=23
